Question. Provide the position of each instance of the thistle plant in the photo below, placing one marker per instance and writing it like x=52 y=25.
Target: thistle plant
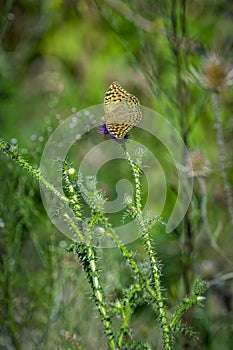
x=199 y=169
x=215 y=77
x=146 y=286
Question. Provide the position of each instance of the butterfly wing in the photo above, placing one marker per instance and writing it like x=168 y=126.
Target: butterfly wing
x=121 y=111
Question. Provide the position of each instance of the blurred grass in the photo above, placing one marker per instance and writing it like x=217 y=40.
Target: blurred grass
x=57 y=55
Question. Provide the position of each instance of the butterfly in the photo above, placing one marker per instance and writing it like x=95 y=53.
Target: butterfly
x=121 y=111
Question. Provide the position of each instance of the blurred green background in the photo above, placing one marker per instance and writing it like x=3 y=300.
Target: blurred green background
x=60 y=56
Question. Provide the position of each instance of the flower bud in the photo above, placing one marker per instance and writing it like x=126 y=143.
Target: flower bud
x=214 y=73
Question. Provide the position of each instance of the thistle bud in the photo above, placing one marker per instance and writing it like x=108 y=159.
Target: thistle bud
x=215 y=74
x=198 y=165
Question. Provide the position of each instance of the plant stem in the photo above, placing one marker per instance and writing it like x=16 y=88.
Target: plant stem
x=205 y=220
x=186 y=305
x=88 y=258
x=158 y=290
x=151 y=254
x=126 y=253
x=178 y=30
x=222 y=152
x=14 y=154
x=137 y=174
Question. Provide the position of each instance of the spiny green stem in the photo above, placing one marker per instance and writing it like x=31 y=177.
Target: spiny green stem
x=152 y=256
x=158 y=291
x=187 y=304
x=87 y=256
x=72 y=192
x=127 y=311
x=12 y=152
x=98 y=217
x=137 y=175
x=74 y=227
x=126 y=253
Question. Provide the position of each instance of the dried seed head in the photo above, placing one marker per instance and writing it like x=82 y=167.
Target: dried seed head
x=198 y=165
x=214 y=73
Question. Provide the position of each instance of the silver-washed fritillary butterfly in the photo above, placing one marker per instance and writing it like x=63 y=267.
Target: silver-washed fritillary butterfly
x=121 y=111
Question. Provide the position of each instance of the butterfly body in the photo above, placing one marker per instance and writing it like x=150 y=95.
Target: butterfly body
x=121 y=111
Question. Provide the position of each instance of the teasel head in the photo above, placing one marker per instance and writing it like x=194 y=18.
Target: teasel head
x=198 y=165
x=215 y=74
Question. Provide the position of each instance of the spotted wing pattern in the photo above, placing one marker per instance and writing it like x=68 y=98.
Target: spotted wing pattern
x=121 y=111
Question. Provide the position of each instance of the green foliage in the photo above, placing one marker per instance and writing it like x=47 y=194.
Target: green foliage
x=57 y=57
x=147 y=284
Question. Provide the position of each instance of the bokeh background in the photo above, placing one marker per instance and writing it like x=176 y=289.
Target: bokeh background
x=58 y=57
